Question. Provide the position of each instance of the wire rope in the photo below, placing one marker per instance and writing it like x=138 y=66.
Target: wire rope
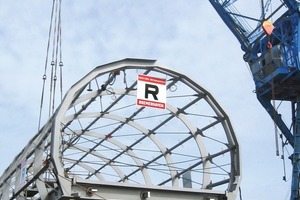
x=156 y=164
x=199 y=115
x=53 y=62
x=150 y=163
x=60 y=54
x=214 y=140
x=274 y=116
x=104 y=126
x=45 y=68
x=143 y=159
x=57 y=50
x=177 y=96
x=121 y=108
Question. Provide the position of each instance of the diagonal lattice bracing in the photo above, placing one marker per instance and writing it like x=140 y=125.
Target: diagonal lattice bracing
x=99 y=138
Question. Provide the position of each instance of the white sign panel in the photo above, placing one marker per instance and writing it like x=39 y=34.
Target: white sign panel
x=151 y=92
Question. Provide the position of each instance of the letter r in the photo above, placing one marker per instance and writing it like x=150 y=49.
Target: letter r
x=151 y=89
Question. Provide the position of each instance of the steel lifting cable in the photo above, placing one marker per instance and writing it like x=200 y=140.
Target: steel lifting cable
x=57 y=51
x=268 y=29
x=60 y=53
x=45 y=69
x=55 y=29
x=52 y=62
x=274 y=116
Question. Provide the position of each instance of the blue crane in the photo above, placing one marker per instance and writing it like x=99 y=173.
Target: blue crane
x=270 y=42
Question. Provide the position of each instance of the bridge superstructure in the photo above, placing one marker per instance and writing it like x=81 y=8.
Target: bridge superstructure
x=99 y=144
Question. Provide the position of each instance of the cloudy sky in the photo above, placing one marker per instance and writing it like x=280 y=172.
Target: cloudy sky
x=187 y=36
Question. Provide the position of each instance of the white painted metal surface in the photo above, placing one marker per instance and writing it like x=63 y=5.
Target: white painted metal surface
x=100 y=145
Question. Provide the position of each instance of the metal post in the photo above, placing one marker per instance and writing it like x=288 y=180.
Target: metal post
x=296 y=156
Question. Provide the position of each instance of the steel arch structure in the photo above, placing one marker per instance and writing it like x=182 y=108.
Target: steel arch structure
x=100 y=145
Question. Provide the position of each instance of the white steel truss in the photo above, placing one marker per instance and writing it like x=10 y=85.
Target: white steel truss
x=100 y=145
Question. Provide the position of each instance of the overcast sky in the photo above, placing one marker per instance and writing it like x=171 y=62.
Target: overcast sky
x=187 y=36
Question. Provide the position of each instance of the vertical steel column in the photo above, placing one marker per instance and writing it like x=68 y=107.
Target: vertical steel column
x=296 y=155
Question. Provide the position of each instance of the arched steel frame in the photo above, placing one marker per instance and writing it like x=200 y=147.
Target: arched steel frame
x=99 y=138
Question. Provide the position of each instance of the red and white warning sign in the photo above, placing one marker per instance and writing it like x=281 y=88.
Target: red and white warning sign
x=151 y=92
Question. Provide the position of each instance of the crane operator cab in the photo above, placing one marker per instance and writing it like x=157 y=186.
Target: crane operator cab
x=271 y=67
x=274 y=61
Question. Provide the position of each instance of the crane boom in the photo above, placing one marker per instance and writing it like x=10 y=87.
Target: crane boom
x=233 y=21
x=273 y=59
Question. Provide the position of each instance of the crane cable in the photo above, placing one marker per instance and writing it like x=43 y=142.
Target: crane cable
x=269 y=46
x=268 y=28
x=274 y=117
x=55 y=26
x=55 y=50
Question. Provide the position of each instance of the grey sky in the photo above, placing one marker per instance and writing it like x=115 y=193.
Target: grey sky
x=187 y=36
